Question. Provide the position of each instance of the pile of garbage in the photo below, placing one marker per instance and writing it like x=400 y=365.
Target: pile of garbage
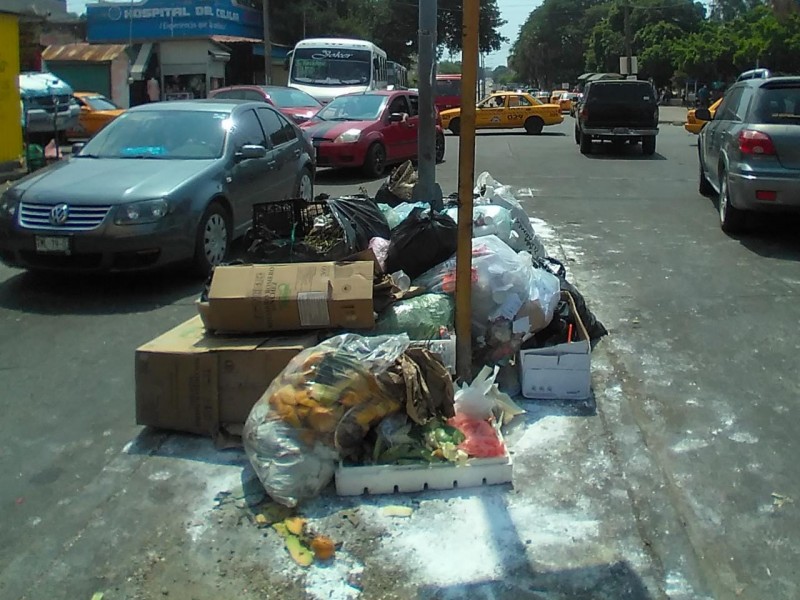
x=374 y=282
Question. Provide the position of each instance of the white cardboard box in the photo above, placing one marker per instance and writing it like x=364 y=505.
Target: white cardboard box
x=562 y=372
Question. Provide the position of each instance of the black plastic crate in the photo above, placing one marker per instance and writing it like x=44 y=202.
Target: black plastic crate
x=286 y=217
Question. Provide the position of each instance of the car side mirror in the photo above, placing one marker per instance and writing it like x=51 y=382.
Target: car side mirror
x=396 y=118
x=251 y=151
x=77 y=147
x=703 y=114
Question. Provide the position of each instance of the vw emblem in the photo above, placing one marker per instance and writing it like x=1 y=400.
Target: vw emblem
x=59 y=214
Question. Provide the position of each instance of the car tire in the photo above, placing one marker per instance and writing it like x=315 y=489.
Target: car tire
x=534 y=125
x=214 y=236
x=705 y=188
x=586 y=143
x=649 y=145
x=305 y=186
x=731 y=219
x=455 y=126
x=375 y=161
x=439 y=147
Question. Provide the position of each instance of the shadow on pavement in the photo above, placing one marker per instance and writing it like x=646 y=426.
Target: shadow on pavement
x=96 y=294
x=607 y=151
x=168 y=444
x=520 y=133
x=608 y=581
x=772 y=235
x=345 y=177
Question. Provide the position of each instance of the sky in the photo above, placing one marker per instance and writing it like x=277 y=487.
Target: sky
x=513 y=11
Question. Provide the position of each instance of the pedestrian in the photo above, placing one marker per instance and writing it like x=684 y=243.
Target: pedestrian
x=683 y=97
x=702 y=96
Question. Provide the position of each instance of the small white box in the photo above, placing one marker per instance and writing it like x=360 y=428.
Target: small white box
x=389 y=479
x=562 y=372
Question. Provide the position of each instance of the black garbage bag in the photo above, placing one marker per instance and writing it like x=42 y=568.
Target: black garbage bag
x=360 y=218
x=422 y=241
x=593 y=325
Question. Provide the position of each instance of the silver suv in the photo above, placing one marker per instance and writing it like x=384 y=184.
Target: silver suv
x=750 y=151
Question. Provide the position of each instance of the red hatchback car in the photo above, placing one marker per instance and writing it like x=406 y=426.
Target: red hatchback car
x=293 y=103
x=369 y=130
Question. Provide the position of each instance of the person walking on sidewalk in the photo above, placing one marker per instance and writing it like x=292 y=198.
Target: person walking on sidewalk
x=702 y=96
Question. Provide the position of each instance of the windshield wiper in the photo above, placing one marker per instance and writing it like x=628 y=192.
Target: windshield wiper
x=85 y=155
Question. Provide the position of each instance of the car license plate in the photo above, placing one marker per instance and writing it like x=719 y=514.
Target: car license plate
x=53 y=245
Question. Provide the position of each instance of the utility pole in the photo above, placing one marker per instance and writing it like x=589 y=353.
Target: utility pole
x=628 y=52
x=426 y=189
x=267 y=43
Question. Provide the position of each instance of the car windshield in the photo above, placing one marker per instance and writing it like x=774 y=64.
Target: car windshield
x=324 y=66
x=289 y=98
x=161 y=134
x=99 y=103
x=363 y=107
x=778 y=105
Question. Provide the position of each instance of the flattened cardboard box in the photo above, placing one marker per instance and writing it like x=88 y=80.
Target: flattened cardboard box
x=189 y=381
x=286 y=297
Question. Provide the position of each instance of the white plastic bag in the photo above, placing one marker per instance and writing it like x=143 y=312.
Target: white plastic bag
x=488 y=220
x=479 y=399
x=523 y=236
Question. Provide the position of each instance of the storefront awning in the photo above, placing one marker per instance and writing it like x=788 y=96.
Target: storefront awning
x=142 y=58
x=217 y=53
x=83 y=52
x=232 y=39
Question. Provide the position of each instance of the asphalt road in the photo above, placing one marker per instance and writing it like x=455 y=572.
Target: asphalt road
x=696 y=400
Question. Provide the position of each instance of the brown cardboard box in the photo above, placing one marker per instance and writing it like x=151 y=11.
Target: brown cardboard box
x=286 y=297
x=189 y=381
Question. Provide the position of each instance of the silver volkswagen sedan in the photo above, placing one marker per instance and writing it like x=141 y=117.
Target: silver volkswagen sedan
x=163 y=183
x=750 y=151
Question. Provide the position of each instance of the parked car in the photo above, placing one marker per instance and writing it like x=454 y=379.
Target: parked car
x=97 y=111
x=507 y=110
x=369 y=130
x=693 y=124
x=295 y=104
x=621 y=111
x=749 y=152
x=48 y=108
x=162 y=183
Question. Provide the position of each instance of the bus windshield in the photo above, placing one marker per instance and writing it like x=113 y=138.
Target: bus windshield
x=331 y=66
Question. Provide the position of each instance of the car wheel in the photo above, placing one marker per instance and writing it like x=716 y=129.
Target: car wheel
x=305 y=186
x=705 y=188
x=649 y=145
x=375 y=163
x=731 y=219
x=586 y=143
x=455 y=126
x=439 y=147
x=213 y=238
x=534 y=125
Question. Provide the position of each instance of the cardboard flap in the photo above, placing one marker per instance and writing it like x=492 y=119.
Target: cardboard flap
x=352 y=281
x=231 y=282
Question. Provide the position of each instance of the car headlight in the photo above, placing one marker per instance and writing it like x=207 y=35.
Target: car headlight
x=8 y=203
x=348 y=137
x=135 y=213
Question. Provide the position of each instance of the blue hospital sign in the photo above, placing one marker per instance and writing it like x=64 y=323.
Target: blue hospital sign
x=165 y=19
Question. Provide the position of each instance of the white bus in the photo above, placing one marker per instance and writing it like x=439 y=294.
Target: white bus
x=398 y=76
x=329 y=67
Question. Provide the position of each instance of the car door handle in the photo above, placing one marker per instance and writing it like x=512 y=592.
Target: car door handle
x=272 y=164
x=296 y=153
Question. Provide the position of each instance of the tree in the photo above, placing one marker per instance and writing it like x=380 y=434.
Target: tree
x=448 y=67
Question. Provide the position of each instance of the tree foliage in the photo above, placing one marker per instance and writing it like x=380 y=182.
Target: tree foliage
x=391 y=24
x=673 y=39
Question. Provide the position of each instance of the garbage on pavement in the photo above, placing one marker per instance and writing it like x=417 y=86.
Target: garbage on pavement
x=331 y=350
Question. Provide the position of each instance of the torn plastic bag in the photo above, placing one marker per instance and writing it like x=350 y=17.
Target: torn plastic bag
x=290 y=434
x=399 y=186
x=360 y=218
x=380 y=248
x=482 y=398
x=422 y=318
x=420 y=242
x=593 y=325
x=523 y=237
x=510 y=297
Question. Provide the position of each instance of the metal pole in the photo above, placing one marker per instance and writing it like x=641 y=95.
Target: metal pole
x=628 y=53
x=426 y=189
x=466 y=182
x=267 y=43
